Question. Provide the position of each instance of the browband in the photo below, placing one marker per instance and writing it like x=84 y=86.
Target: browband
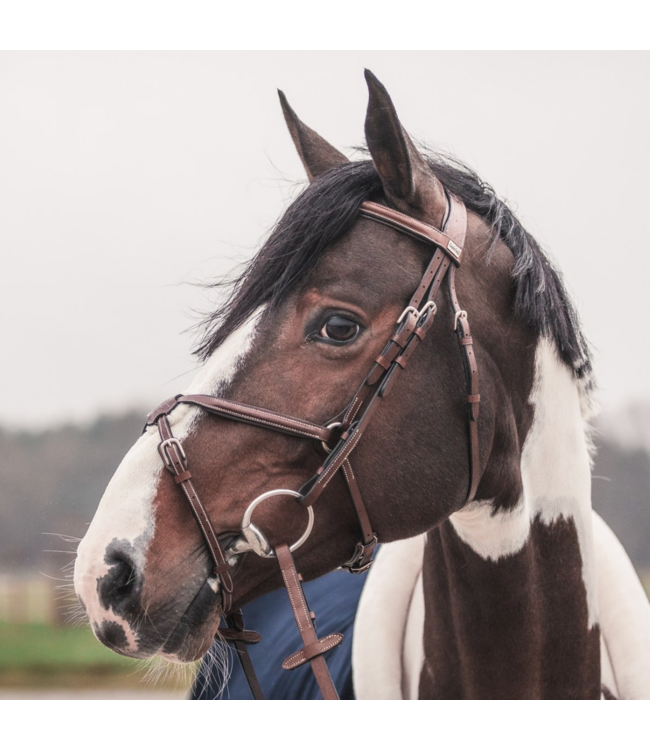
x=419 y=229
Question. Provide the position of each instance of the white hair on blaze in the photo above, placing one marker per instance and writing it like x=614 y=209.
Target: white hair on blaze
x=125 y=511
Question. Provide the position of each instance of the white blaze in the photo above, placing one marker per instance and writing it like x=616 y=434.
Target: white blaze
x=125 y=511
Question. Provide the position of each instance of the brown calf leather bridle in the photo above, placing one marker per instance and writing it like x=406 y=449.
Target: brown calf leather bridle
x=338 y=439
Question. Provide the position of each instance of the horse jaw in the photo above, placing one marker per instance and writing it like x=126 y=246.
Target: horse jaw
x=125 y=515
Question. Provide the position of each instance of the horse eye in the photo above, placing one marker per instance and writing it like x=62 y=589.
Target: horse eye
x=339 y=329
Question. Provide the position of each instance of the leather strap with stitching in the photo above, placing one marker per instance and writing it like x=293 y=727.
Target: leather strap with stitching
x=411 y=329
x=313 y=647
x=466 y=345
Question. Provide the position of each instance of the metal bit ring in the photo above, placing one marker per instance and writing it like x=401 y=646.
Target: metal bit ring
x=254 y=536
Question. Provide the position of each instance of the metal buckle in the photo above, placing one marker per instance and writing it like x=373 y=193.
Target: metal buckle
x=357 y=569
x=164 y=454
x=406 y=311
x=459 y=314
x=331 y=426
x=254 y=536
x=431 y=305
x=352 y=565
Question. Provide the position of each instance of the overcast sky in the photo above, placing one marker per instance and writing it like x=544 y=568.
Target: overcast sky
x=123 y=176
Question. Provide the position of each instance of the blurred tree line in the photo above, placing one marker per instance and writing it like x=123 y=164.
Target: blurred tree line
x=52 y=481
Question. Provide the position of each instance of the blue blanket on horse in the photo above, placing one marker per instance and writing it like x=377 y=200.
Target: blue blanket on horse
x=334 y=598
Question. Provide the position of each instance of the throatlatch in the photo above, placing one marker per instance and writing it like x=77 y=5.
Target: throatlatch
x=338 y=439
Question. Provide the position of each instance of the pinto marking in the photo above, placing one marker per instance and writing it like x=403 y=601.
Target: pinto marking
x=380 y=642
x=388 y=656
x=556 y=473
x=125 y=512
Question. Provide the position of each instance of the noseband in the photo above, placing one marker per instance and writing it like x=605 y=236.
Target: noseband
x=339 y=439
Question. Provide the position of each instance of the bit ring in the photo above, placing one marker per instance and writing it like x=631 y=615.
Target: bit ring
x=254 y=536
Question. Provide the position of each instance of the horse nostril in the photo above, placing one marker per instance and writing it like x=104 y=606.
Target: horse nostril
x=119 y=588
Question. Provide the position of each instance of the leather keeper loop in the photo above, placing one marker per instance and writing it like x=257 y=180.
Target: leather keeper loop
x=473 y=399
x=466 y=340
x=383 y=362
x=401 y=337
x=320 y=647
x=180 y=478
x=221 y=569
x=402 y=361
x=244 y=636
x=164 y=409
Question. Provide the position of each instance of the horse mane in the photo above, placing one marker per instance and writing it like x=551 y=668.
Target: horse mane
x=329 y=206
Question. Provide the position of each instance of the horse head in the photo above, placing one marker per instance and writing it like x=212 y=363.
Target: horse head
x=305 y=324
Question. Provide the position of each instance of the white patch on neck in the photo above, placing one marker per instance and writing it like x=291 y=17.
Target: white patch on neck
x=556 y=473
x=388 y=652
x=125 y=511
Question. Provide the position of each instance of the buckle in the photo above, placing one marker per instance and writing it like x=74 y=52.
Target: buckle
x=419 y=314
x=431 y=305
x=353 y=565
x=406 y=311
x=164 y=452
x=460 y=314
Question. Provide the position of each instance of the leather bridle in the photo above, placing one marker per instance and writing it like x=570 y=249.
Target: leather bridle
x=339 y=439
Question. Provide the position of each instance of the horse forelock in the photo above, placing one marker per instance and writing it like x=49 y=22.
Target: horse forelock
x=326 y=210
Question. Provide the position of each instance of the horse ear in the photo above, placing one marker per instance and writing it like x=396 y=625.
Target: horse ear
x=315 y=152
x=408 y=182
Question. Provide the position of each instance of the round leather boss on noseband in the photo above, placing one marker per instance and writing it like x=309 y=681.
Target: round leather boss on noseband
x=339 y=439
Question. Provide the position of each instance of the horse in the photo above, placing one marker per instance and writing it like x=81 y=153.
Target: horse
x=494 y=578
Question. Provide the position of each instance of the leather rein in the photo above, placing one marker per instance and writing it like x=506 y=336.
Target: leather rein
x=338 y=439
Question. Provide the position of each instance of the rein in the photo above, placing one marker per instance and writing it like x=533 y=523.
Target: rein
x=411 y=328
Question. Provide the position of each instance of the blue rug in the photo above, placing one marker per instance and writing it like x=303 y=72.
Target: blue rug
x=334 y=598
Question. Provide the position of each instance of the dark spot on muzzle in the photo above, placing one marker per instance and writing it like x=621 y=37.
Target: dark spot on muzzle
x=112 y=634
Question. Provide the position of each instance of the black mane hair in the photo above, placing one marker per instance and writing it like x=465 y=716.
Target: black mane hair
x=328 y=207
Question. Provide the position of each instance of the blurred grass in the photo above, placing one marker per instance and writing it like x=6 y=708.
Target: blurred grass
x=39 y=655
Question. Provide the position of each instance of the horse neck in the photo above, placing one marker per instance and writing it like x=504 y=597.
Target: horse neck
x=510 y=602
